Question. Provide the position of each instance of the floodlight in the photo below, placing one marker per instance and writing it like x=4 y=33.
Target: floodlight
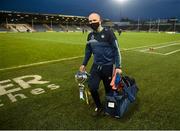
x=121 y=1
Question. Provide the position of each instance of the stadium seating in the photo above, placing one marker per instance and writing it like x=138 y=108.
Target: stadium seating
x=87 y=28
x=48 y=28
x=39 y=28
x=56 y=27
x=64 y=28
x=71 y=28
x=3 y=28
x=77 y=28
x=19 y=27
x=68 y=28
x=10 y=21
x=28 y=26
x=11 y=27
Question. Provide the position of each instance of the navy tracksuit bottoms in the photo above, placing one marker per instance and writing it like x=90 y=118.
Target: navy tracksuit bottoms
x=98 y=73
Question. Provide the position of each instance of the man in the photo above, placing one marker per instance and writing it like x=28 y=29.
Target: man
x=119 y=31
x=102 y=43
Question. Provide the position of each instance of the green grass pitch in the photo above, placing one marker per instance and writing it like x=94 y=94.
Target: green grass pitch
x=156 y=72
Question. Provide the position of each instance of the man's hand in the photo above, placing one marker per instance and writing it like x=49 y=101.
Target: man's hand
x=118 y=71
x=82 y=68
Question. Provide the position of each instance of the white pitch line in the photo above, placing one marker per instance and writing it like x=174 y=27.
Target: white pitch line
x=151 y=45
x=40 y=63
x=159 y=47
x=156 y=53
x=71 y=58
x=172 y=52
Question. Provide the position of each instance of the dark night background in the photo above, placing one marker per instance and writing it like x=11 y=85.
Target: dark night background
x=111 y=9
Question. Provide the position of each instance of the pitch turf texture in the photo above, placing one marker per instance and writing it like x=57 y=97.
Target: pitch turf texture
x=153 y=59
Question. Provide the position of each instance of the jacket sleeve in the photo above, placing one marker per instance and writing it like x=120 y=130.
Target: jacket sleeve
x=117 y=53
x=88 y=53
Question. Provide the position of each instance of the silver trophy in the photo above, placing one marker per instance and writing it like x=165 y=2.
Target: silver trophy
x=81 y=78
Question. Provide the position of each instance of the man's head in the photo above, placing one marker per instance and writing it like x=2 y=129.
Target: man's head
x=94 y=21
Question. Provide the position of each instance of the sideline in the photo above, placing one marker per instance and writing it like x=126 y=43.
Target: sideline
x=41 y=63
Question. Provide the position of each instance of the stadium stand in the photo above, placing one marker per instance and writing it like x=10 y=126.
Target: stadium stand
x=31 y=22
x=71 y=28
x=48 y=28
x=39 y=28
x=57 y=28
x=19 y=27
x=3 y=28
x=85 y=27
x=28 y=26
x=11 y=27
x=77 y=28
x=35 y=22
x=63 y=27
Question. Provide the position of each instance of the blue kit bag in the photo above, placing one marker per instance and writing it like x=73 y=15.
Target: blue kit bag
x=117 y=102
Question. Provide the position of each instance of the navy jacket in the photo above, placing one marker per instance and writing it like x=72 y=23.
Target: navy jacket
x=104 y=47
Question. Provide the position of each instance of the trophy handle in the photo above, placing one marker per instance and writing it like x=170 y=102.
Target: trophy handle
x=87 y=98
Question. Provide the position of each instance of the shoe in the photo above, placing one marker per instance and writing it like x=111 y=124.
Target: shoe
x=98 y=111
